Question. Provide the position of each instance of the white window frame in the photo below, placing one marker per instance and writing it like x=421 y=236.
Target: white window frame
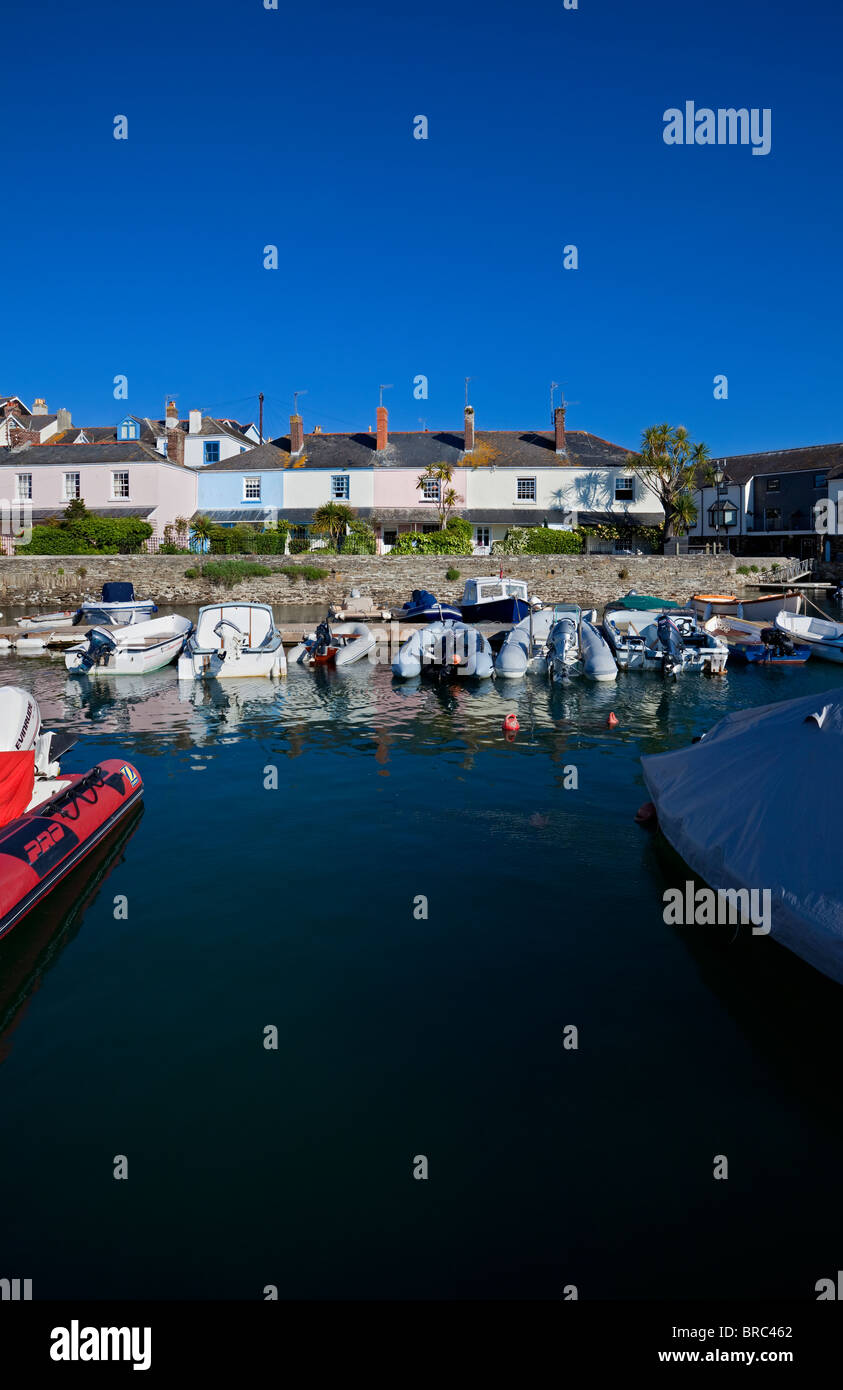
x=525 y=489
x=343 y=481
x=23 y=487
x=121 y=496
x=252 y=478
x=627 y=481
x=72 y=496
x=431 y=489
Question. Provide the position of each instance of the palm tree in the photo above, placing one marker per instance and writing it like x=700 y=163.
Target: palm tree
x=673 y=468
x=201 y=528
x=447 y=497
x=332 y=519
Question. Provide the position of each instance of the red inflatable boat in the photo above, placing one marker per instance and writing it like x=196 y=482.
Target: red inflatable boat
x=49 y=820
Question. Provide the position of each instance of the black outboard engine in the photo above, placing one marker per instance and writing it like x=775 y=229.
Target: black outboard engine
x=99 y=648
x=324 y=640
x=778 y=643
x=671 y=640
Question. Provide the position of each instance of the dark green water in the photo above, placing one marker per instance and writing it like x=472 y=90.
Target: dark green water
x=398 y=1037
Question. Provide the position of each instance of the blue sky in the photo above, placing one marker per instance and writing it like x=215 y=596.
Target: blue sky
x=442 y=257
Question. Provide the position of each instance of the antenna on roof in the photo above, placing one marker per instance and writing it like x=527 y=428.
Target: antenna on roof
x=382 y=389
x=467 y=380
x=423 y=424
x=564 y=404
x=554 y=386
x=296 y=395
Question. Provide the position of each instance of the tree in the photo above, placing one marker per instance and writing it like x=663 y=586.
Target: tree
x=332 y=519
x=447 y=496
x=76 y=510
x=670 y=464
x=202 y=529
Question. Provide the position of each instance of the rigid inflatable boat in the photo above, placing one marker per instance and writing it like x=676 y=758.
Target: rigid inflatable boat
x=448 y=649
x=525 y=646
x=575 y=646
x=423 y=607
x=340 y=644
x=49 y=820
x=117 y=607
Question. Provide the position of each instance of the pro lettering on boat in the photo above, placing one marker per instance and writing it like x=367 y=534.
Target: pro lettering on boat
x=75 y=1343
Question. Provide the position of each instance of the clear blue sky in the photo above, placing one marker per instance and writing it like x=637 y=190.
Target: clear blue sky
x=293 y=127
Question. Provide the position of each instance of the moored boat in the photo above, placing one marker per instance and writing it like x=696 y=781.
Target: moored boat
x=447 y=649
x=337 y=644
x=824 y=637
x=116 y=608
x=524 y=648
x=46 y=622
x=49 y=820
x=750 y=807
x=576 y=646
x=762 y=608
x=233 y=639
x=495 y=599
x=424 y=607
x=755 y=644
x=133 y=650
x=685 y=646
x=624 y=624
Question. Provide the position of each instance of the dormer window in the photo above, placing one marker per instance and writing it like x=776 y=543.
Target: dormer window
x=128 y=429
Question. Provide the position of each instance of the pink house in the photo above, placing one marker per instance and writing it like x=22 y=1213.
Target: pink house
x=400 y=460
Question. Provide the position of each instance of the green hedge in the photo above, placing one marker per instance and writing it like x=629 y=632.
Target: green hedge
x=456 y=539
x=539 y=540
x=92 y=535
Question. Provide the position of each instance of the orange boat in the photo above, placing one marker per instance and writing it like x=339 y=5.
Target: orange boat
x=761 y=609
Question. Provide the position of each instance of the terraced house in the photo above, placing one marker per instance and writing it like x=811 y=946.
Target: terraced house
x=502 y=478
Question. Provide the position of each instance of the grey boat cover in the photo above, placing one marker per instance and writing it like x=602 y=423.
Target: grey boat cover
x=754 y=805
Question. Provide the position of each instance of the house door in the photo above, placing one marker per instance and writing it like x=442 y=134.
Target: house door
x=482 y=540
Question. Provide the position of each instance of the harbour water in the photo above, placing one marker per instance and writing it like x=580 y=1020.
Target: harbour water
x=401 y=1034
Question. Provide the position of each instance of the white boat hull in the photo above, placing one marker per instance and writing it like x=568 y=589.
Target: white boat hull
x=116 y=614
x=825 y=638
x=136 y=650
x=219 y=666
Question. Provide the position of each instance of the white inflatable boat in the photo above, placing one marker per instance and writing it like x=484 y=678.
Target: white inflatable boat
x=575 y=646
x=448 y=648
x=333 y=644
x=525 y=646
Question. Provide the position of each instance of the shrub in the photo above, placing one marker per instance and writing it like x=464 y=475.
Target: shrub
x=623 y=574
x=455 y=539
x=229 y=572
x=309 y=572
x=754 y=569
x=89 y=535
x=543 y=540
x=451 y=574
x=742 y=569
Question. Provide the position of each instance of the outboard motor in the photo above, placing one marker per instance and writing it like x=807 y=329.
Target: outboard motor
x=778 y=643
x=99 y=648
x=324 y=640
x=20 y=731
x=671 y=640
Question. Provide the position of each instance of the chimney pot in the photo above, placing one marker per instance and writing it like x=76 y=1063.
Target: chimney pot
x=296 y=434
x=383 y=432
x=39 y=406
x=559 y=424
x=172 y=416
x=195 y=422
x=175 y=445
x=469 y=428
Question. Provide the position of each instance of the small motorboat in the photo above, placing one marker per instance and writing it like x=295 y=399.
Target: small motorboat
x=761 y=609
x=340 y=644
x=117 y=607
x=623 y=626
x=524 y=648
x=233 y=639
x=49 y=820
x=678 y=641
x=756 y=644
x=446 y=649
x=424 y=608
x=46 y=622
x=576 y=646
x=824 y=637
x=496 y=600
x=751 y=808
x=133 y=650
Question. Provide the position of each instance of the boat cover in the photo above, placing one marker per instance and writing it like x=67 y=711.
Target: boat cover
x=118 y=592
x=422 y=598
x=17 y=779
x=753 y=805
x=644 y=603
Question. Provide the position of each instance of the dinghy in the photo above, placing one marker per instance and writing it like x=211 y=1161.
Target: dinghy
x=684 y=645
x=824 y=637
x=623 y=626
x=233 y=639
x=762 y=609
x=49 y=820
x=45 y=622
x=423 y=607
x=338 y=644
x=755 y=644
x=576 y=646
x=447 y=649
x=133 y=650
x=752 y=806
x=525 y=646
x=496 y=600
x=117 y=607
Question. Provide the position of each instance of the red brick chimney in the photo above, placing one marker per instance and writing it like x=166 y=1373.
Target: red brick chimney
x=559 y=421
x=175 y=445
x=296 y=434
x=469 y=428
x=383 y=434
x=171 y=418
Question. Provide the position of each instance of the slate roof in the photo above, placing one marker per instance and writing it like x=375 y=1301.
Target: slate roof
x=261 y=458
x=418 y=448
x=741 y=467
x=303 y=516
x=72 y=455
x=39 y=422
x=42 y=514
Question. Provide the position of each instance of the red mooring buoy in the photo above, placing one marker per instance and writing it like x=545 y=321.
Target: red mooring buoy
x=646 y=814
x=613 y=720
x=510 y=724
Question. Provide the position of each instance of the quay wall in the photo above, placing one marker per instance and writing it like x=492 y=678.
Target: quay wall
x=590 y=580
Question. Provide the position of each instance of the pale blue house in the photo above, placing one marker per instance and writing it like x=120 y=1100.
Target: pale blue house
x=246 y=488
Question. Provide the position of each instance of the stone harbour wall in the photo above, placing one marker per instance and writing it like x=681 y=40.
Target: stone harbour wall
x=590 y=580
